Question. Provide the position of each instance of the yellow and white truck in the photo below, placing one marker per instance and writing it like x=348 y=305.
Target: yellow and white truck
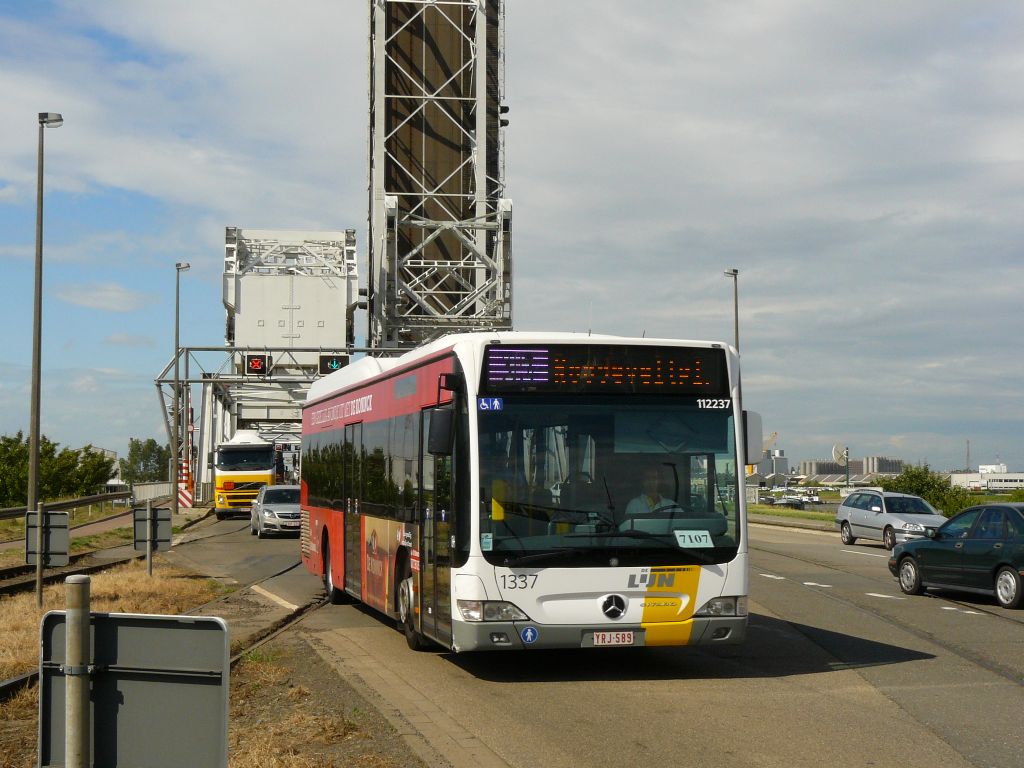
x=241 y=466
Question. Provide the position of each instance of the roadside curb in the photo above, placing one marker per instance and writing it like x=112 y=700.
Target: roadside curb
x=793 y=522
x=195 y=520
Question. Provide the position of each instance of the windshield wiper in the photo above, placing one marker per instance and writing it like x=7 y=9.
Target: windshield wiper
x=611 y=504
x=629 y=533
x=512 y=562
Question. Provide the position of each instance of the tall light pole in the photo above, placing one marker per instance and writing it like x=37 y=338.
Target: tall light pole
x=180 y=267
x=735 y=274
x=46 y=120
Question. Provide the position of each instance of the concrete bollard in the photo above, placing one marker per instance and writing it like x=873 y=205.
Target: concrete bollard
x=77 y=658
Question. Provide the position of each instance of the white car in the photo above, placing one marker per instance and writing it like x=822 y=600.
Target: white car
x=887 y=517
x=275 y=510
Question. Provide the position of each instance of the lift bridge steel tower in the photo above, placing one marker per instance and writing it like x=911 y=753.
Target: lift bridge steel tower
x=440 y=227
x=439 y=244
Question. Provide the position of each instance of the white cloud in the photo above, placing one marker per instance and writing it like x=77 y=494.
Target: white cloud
x=859 y=169
x=107 y=296
x=22 y=252
x=183 y=119
x=87 y=384
x=129 y=340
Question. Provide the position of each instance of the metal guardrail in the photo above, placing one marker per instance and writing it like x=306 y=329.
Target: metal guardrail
x=13 y=512
x=152 y=490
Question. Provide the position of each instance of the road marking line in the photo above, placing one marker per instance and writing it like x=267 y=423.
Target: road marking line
x=271 y=596
x=866 y=554
x=816 y=584
x=885 y=597
x=960 y=610
x=773 y=576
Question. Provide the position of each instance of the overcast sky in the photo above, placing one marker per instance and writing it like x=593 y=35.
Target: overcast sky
x=861 y=164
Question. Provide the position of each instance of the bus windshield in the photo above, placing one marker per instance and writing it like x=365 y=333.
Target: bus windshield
x=245 y=457
x=640 y=480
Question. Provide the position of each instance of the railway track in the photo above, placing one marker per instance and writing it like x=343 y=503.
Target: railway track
x=10 y=687
x=14 y=579
x=22 y=578
x=80 y=526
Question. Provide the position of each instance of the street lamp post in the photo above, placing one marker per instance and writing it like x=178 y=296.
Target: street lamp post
x=46 y=120
x=734 y=274
x=176 y=414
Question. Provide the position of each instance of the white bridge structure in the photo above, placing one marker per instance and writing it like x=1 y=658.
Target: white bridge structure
x=289 y=299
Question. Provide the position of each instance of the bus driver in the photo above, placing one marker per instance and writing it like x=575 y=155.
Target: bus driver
x=650 y=499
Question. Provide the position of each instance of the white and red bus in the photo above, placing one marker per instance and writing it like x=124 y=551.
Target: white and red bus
x=534 y=490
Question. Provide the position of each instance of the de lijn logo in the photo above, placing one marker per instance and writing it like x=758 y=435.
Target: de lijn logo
x=647 y=579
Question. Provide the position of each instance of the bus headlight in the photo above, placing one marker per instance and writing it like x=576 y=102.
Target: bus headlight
x=220 y=499
x=724 y=606
x=487 y=610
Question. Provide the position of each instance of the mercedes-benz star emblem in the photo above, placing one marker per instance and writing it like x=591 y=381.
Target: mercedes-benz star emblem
x=614 y=606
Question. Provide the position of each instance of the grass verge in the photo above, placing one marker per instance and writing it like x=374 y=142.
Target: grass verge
x=15 y=527
x=800 y=514
x=288 y=708
x=123 y=589
x=107 y=540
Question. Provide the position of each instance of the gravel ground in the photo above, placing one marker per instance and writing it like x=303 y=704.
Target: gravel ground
x=289 y=708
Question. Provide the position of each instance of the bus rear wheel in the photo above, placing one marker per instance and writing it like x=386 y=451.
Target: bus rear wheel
x=334 y=595
x=406 y=611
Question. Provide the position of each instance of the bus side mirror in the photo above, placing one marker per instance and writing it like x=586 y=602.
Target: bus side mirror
x=439 y=439
x=753 y=437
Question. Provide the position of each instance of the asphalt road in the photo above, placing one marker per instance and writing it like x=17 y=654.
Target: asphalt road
x=839 y=668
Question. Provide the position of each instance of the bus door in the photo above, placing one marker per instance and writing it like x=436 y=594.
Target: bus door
x=436 y=529
x=352 y=451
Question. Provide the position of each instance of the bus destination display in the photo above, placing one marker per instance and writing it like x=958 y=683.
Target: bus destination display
x=605 y=368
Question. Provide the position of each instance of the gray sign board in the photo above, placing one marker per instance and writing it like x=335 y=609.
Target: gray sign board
x=159 y=530
x=56 y=538
x=159 y=690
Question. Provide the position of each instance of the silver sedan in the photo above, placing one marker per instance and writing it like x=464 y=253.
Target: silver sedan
x=275 y=510
x=885 y=516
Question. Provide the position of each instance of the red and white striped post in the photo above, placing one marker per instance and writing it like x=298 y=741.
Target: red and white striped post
x=185 y=495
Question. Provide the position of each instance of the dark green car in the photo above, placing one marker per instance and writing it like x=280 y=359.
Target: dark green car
x=980 y=550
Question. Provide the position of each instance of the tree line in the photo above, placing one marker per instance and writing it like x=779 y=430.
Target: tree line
x=147 y=461
x=66 y=473
x=930 y=486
